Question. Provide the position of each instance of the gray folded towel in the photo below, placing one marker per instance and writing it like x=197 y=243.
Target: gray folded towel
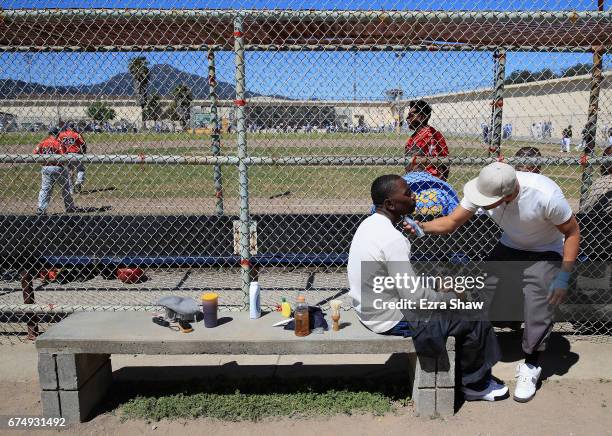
x=183 y=308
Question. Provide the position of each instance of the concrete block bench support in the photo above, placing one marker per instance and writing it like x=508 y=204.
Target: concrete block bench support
x=433 y=389
x=73 y=384
x=75 y=367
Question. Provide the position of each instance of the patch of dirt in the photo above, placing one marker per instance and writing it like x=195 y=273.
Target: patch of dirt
x=560 y=407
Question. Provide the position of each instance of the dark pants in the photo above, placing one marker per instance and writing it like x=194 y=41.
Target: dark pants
x=475 y=341
x=523 y=295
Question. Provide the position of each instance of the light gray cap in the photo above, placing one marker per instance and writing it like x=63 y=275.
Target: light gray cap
x=494 y=182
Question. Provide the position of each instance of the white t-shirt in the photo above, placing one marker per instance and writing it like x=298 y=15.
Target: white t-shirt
x=529 y=220
x=387 y=250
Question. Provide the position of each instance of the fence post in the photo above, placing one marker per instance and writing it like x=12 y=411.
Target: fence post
x=591 y=126
x=240 y=103
x=499 y=71
x=216 y=131
x=28 y=298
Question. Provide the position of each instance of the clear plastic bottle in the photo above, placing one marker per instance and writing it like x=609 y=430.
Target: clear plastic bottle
x=302 y=321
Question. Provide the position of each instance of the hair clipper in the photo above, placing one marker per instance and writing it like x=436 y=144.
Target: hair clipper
x=418 y=230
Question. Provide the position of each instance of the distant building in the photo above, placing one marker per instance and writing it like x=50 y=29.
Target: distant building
x=551 y=104
x=8 y=122
x=273 y=115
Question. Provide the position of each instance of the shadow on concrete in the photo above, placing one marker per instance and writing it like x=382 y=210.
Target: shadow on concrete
x=398 y=365
x=343 y=325
x=556 y=360
x=224 y=320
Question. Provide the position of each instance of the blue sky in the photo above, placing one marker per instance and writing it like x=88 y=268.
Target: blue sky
x=327 y=75
x=323 y=75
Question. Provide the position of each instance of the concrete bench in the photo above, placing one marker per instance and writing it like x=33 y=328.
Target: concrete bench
x=75 y=368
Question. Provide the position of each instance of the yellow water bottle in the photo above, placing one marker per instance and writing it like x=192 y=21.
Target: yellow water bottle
x=285 y=308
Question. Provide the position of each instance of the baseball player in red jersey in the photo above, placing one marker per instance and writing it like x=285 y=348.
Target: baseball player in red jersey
x=425 y=140
x=74 y=142
x=53 y=172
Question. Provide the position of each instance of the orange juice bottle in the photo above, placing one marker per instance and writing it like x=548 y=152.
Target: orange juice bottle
x=302 y=321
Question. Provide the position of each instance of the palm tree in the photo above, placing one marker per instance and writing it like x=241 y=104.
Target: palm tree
x=154 y=108
x=180 y=108
x=139 y=69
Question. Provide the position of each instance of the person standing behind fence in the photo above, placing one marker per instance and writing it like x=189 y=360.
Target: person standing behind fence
x=583 y=140
x=538 y=227
x=566 y=140
x=53 y=172
x=485 y=133
x=425 y=141
x=74 y=143
x=599 y=199
x=528 y=152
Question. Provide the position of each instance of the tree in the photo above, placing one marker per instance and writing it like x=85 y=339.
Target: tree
x=577 y=70
x=139 y=69
x=525 y=76
x=154 y=109
x=545 y=74
x=518 y=76
x=100 y=111
x=180 y=108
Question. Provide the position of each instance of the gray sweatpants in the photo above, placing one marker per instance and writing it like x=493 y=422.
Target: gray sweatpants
x=522 y=290
x=52 y=174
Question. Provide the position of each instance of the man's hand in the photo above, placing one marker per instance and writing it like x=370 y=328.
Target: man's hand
x=463 y=296
x=413 y=227
x=418 y=163
x=558 y=296
x=558 y=288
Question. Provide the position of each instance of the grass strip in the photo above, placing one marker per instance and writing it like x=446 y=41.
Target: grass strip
x=254 y=400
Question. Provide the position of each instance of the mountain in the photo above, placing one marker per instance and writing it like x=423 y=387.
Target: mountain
x=163 y=79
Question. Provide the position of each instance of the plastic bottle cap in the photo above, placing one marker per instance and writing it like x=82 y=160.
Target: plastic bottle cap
x=301 y=299
x=209 y=296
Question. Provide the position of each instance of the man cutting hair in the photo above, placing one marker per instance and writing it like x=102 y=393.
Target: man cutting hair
x=538 y=226
x=380 y=251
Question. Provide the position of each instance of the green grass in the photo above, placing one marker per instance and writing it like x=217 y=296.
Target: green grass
x=318 y=139
x=173 y=181
x=261 y=398
x=27 y=138
x=18 y=182
x=269 y=150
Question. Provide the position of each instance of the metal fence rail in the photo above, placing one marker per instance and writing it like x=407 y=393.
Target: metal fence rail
x=271 y=125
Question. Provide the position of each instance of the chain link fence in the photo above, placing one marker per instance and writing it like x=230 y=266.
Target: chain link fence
x=224 y=146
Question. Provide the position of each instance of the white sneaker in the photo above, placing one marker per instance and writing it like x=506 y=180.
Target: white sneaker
x=493 y=392
x=527 y=377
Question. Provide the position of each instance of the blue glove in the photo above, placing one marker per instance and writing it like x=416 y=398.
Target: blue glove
x=561 y=281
